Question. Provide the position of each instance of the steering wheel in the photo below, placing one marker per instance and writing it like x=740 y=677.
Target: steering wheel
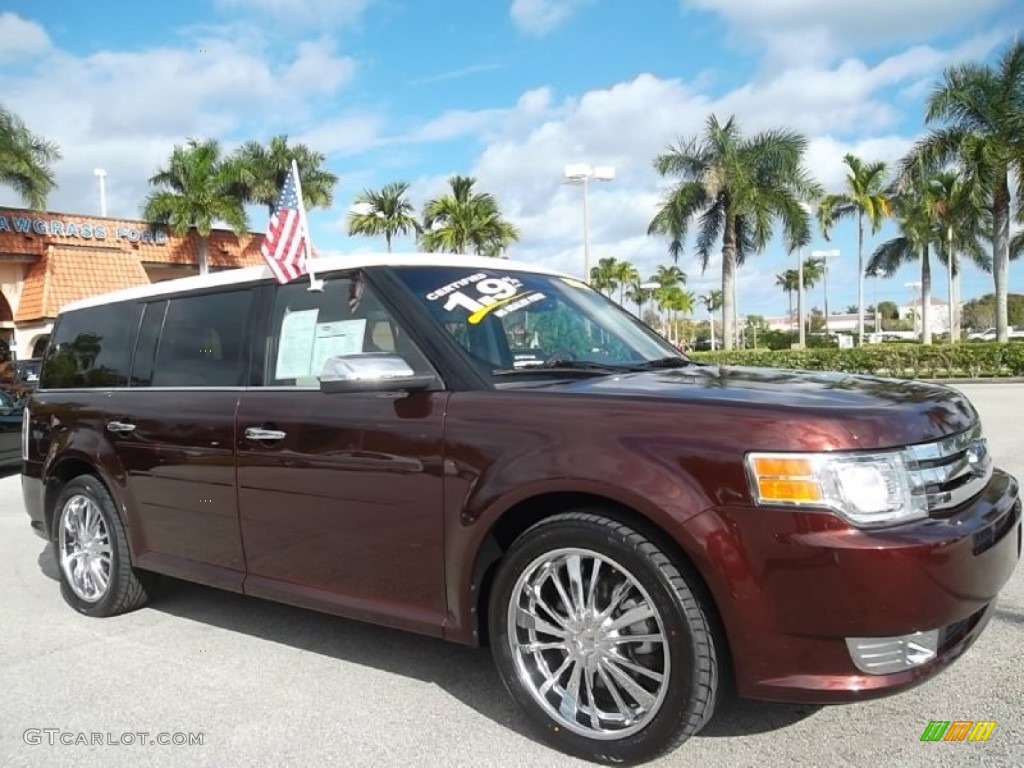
x=559 y=356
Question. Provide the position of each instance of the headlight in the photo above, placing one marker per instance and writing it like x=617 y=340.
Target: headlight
x=867 y=489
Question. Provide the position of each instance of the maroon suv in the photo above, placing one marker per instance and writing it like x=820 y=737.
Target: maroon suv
x=619 y=523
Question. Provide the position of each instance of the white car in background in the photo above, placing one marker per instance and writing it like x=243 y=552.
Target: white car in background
x=989 y=334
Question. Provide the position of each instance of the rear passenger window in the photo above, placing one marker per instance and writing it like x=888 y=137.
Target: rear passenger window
x=92 y=348
x=203 y=341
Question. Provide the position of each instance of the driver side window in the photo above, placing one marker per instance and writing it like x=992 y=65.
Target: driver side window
x=310 y=328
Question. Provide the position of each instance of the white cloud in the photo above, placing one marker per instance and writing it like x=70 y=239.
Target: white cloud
x=125 y=110
x=846 y=26
x=345 y=135
x=20 y=38
x=539 y=17
x=313 y=12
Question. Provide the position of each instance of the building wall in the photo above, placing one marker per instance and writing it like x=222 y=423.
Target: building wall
x=48 y=259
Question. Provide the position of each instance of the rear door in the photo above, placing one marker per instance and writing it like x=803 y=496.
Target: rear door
x=173 y=430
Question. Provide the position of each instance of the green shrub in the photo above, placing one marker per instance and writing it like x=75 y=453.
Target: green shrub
x=935 y=361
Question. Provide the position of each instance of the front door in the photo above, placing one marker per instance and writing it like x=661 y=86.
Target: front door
x=340 y=495
x=173 y=430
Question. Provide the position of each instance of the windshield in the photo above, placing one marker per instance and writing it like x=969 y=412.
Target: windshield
x=511 y=321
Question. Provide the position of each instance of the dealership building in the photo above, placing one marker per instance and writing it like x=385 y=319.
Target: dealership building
x=50 y=259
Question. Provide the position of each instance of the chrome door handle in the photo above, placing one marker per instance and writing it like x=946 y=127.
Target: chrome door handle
x=256 y=433
x=120 y=427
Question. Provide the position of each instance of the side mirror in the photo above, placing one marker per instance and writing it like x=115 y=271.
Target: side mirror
x=372 y=373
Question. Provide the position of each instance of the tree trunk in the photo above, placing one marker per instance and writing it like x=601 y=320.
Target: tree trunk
x=1001 y=251
x=957 y=320
x=951 y=309
x=387 y=238
x=926 y=297
x=792 y=320
x=728 y=278
x=860 y=277
x=204 y=266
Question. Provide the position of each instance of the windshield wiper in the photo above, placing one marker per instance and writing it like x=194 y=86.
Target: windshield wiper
x=566 y=366
x=663 y=362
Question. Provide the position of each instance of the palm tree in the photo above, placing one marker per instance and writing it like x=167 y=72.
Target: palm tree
x=712 y=300
x=386 y=212
x=912 y=206
x=864 y=197
x=197 y=189
x=789 y=281
x=982 y=107
x=25 y=161
x=605 y=276
x=639 y=295
x=957 y=207
x=465 y=219
x=669 y=280
x=626 y=274
x=738 y=186
x=262 y=171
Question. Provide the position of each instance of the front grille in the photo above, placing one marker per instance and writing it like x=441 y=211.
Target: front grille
x=951 y=471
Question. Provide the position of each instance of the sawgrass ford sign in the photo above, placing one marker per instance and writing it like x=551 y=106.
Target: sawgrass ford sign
x=67 y=229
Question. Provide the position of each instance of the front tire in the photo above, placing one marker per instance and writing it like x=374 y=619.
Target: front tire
x=96 y=574
x=601 y=640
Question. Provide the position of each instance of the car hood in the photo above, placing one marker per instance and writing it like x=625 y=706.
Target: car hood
x=871 y=410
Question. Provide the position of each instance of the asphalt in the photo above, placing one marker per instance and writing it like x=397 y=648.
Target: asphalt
x=269 y=685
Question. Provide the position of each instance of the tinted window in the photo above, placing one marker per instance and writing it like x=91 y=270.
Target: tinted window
x=203 y=341
x=145 y=348
x=346 y=318
x=92 y=347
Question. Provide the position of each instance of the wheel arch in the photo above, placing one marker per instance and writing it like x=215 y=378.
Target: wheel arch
x=526 y=513
x=63 y=471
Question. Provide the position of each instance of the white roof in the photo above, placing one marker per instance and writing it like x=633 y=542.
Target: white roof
x=320 y=265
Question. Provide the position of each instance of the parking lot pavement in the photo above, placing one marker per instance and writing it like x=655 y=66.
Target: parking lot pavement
x=269 y=685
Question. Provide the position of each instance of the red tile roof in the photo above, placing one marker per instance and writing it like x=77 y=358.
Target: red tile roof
x=81 y=256
x=68 y=274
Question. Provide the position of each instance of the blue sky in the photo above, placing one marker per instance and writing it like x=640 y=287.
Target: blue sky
x=508 y=91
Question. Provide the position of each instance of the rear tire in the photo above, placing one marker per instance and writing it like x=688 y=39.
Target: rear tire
x=96 y=574
x=566 y=645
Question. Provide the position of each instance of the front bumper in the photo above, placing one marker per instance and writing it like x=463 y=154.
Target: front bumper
x=793 y=586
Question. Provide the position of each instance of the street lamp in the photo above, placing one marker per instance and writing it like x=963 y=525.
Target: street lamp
x=877 y=274
x=101 y=174
x=825 y=256
x=913 y=304
x=644 y=287
x=802 y=337
x=582 y=173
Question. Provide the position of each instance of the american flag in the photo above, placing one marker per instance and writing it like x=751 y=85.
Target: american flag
x=287 y=240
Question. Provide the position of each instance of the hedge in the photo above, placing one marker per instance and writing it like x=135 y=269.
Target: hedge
x=933 y=361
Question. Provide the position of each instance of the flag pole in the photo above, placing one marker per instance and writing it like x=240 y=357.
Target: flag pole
x=314 y=283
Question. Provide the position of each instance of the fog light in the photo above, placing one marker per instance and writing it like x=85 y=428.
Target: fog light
x=885 y=655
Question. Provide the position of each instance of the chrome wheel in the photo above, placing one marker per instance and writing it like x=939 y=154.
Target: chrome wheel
x=588 y=643
x=85 y=550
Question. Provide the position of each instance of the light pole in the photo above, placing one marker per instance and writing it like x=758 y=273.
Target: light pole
x=802 y=338
x=913 y=304
x=650 y=285
x=582 y=173
x=825 y=256
x=877 y=274
x=101 y=174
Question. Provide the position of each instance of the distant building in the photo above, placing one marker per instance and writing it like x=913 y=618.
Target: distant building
x=938 y=319
x=50 y=259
